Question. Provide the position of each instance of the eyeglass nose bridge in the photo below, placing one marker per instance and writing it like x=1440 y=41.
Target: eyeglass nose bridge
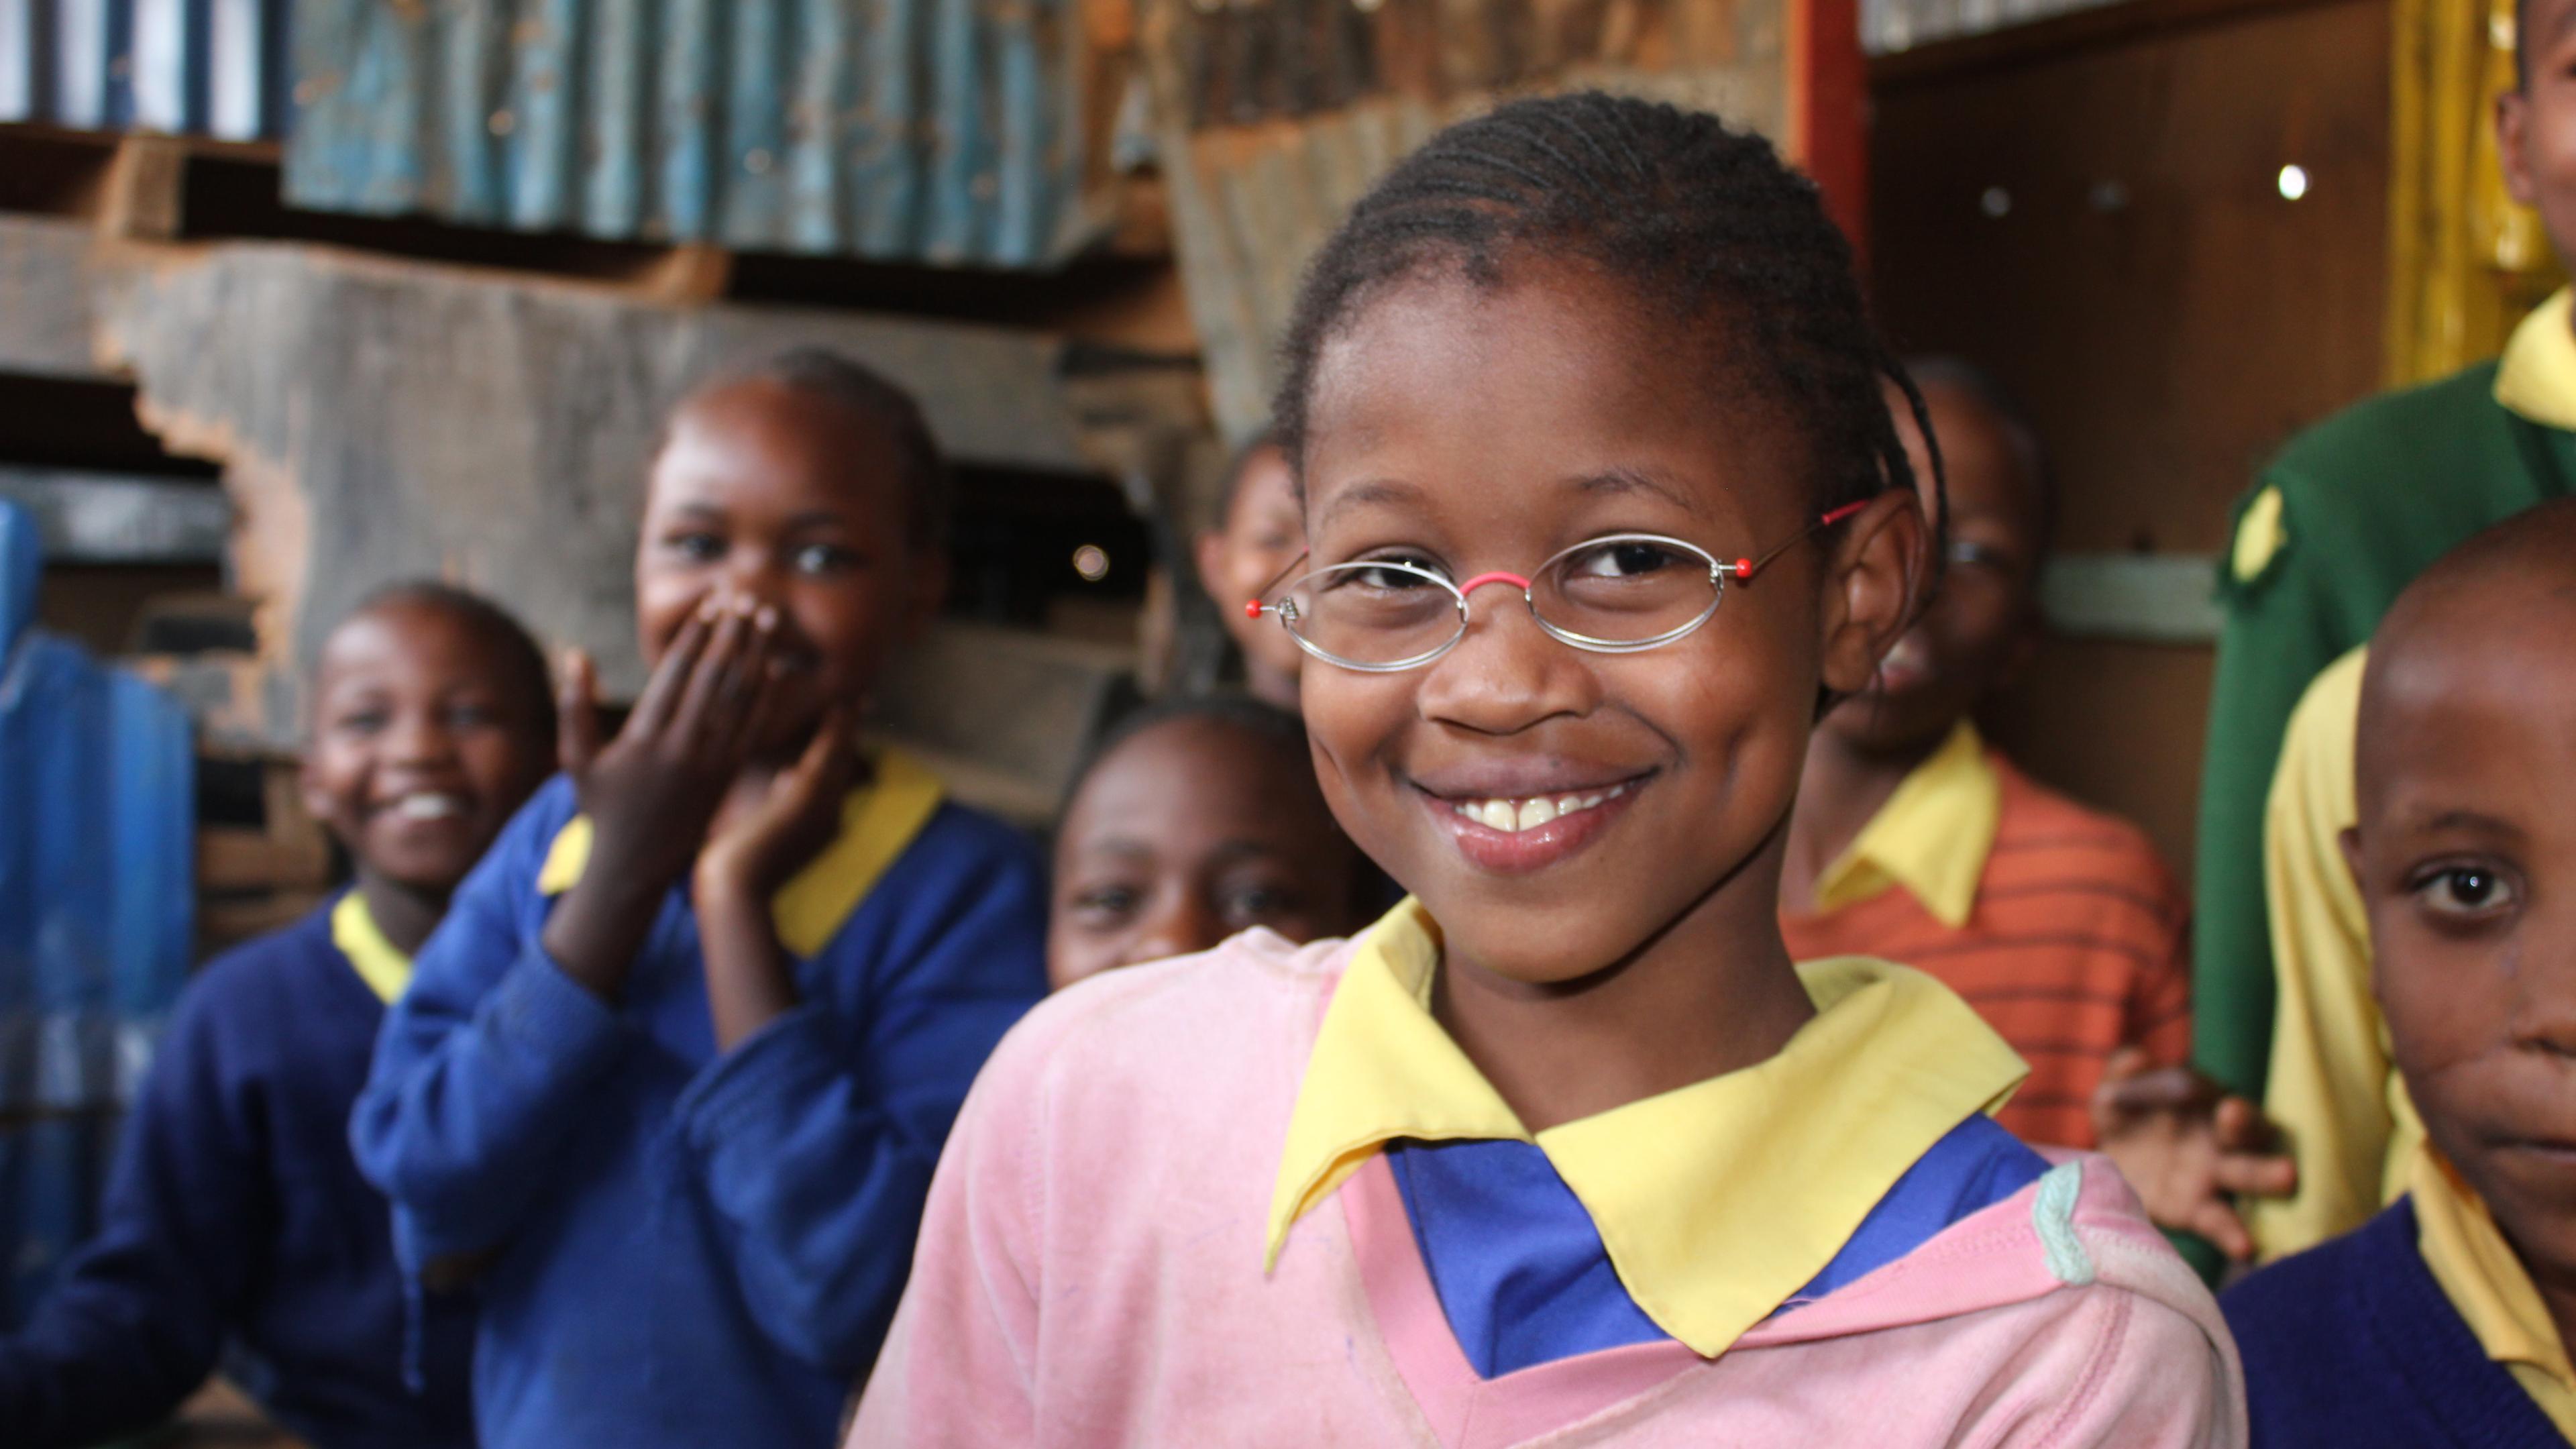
x=1498 y=576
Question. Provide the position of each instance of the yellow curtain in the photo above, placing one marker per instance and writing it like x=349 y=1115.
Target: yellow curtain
x=2464 y=261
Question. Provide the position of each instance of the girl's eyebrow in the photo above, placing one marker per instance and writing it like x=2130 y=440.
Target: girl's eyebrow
x=1615 y=480
x=1367 y=491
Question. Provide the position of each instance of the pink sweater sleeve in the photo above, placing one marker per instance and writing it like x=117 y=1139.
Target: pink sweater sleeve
x=958 y=1366
x=2153 y=1380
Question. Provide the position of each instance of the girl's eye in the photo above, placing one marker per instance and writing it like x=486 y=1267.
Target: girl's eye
x=1104 y=904
x=1387 y=575
x=1251 y=904
x=825 y=558
x=697 y=546
x=472 y=716
x=363 y=722
x=1625 y=558
x=2466 y=891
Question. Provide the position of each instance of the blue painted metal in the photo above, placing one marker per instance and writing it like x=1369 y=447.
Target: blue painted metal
x=193 y=67
x=939 y=131
x=97 y=812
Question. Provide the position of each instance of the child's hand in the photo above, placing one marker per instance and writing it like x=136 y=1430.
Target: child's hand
x=651 y=792
x=2187 y=1147
x=770 y=829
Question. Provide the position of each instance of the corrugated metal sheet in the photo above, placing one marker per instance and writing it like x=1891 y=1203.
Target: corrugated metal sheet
x=944 y=131
x=97 y=810
x=1277 y=114
x=197 y=67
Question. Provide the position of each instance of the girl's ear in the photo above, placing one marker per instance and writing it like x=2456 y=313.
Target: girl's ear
x=1878 y=580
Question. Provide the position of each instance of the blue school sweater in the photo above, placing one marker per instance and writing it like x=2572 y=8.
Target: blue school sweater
x=236 y=1220
x=682 y=1248
x=2353 y=1344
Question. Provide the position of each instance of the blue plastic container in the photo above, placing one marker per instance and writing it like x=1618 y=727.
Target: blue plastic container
x=97 y=901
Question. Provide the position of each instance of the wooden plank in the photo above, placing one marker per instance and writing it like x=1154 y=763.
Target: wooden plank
x=47 y=318
x=489 y=429
x=95 y=518
x=146 y=193
x=2042 y=41
x=2158 y=598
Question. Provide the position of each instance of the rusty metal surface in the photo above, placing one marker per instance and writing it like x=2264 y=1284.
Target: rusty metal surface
x=1276 y=115
x=943 y=131
x=196 y=67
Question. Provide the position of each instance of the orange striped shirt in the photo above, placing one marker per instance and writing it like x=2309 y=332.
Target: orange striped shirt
x=2078 y=944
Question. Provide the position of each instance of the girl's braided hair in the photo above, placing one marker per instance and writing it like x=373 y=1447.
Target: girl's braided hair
x=1701 y=220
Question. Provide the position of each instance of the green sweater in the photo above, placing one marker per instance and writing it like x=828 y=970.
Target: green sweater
x=2367 y=500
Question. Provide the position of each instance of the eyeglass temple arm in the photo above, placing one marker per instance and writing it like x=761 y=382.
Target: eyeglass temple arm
x=1253 y=608
x=1745 y=568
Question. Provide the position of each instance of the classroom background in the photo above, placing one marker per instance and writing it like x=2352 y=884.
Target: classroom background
x=300 y=298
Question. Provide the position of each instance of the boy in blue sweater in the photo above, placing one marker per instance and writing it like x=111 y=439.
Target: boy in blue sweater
x=674 y=1074
x=236 y=1226
x=2445 y=1320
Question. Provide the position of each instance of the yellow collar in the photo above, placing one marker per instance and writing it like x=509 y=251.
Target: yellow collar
x=2537 y=378
x=378 y=962
x=1716 y=1201
x=877 y=821
x=1931 y=837
x=2479 y=1273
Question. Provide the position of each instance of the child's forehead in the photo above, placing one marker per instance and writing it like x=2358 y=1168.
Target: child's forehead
x=1556 y=374
x=2470 y=709
x=413 y=639
x=761 y=428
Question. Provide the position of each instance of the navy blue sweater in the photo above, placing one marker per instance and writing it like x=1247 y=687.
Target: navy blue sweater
x=2354 y=1344
x=692 y=1249
x=236 y=1220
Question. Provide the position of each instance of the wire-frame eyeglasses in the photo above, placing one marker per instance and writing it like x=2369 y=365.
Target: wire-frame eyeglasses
x=1622 y=593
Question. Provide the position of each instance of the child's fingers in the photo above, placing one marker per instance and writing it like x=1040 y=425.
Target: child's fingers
x=2219 y=1223
x=748 y=690
x=2245 y=1174
x=577 y=714
x=699 y=716
x=662 y=691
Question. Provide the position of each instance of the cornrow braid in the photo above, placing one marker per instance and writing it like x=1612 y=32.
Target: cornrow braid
x=1704 y=222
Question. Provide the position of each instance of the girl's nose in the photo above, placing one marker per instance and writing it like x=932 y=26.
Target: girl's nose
x=1506 y=673
x=1179 y=928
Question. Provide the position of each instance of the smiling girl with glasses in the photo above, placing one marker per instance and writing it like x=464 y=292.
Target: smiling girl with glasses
x=1564 y=1148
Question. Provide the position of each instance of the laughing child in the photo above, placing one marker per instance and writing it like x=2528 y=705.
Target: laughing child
x=1194 y=820
x=236 y=1225
x=1914 y=841
x=2445 y=1320
x=675 y=1072
x=1604 y=503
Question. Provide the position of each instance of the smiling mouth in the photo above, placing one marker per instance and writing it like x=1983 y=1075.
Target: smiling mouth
x=1513 y=816
x=423 y=805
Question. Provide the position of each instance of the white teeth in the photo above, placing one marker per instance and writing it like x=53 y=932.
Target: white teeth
x=429 y=807
x=1514 y=816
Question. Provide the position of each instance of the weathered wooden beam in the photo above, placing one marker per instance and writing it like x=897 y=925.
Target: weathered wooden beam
x=46 y=317
x=90 y=518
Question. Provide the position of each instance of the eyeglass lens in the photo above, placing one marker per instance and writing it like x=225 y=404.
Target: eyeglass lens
x=1615 y=591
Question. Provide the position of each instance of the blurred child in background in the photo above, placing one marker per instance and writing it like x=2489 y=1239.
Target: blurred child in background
x=1259 y=532
x=237 y=1229
x=2445 y=1320
x=1914 y=841
x=676 y=1070
x=2347 y=514
x=1194 y=820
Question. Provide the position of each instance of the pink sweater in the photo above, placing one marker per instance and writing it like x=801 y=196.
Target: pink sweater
x=1089 y=1274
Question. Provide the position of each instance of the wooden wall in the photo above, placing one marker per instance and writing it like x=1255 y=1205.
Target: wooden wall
x=2092 y=208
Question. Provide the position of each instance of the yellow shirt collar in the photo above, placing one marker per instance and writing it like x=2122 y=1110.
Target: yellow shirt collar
x=878 y=820
x=379 y=962
x=2479 y=1273
x=2537 y=377
x=1931 y=837
x=1716 y=1201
